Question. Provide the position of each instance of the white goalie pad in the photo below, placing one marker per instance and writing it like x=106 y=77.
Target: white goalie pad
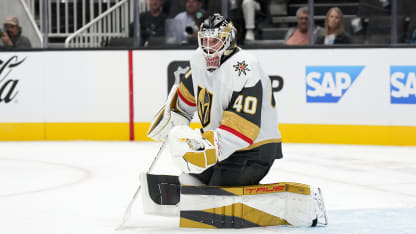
x=249 y=206
x=160 y=194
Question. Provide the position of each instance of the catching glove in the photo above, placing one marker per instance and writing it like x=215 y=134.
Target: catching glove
x=191 y=151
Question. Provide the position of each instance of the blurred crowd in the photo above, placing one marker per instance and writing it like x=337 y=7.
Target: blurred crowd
x=176 y=22
x=270 y=21
x=167 y=22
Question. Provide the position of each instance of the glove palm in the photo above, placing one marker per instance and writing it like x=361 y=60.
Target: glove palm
x=191 y=151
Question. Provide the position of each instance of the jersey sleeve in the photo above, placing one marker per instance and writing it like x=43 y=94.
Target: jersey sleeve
x=240 y=125
x=186 y=97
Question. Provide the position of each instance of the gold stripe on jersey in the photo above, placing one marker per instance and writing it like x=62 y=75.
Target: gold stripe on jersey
x=260 y=143
x=240 y=124
x=186 y=94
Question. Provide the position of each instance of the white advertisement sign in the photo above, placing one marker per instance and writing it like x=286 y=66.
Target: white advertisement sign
x=351 y=87
x=21 y=87
x=345 y=86
x=312 y=86
x=64 y=86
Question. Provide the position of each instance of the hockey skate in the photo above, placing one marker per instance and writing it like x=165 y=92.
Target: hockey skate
x=321 y=217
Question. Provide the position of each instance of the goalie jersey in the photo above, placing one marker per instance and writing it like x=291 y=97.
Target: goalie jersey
x=235 y=101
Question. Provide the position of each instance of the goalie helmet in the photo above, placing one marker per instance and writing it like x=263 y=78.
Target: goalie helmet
x=216 y=38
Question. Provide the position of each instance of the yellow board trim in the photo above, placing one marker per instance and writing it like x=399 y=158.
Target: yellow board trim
x=22 y=131
x=291 y=133
x=64 y=131
x=349 y=134
x=140 y=130
x=87 y=131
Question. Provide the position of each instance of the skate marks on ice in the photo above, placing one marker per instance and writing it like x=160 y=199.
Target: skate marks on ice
x=371 y=221
x=84 y=187
x=353 y=177
x=374 y=221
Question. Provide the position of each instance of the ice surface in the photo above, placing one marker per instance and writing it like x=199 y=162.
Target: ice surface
x=85 y=187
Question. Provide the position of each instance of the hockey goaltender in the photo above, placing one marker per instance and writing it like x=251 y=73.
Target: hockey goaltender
x=223 y=162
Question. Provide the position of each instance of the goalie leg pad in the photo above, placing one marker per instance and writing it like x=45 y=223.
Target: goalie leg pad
x=247 y=206
x=160 y=194
x=187 y=179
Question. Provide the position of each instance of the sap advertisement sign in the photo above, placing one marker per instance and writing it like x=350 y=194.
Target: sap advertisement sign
x=328 y=84
x=403 y=84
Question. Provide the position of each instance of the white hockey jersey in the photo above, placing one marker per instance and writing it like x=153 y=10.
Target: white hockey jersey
x=235 y=100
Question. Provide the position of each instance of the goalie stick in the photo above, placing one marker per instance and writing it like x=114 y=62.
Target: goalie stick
x=129 y=207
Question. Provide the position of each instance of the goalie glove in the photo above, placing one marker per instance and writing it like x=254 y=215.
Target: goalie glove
x=166 y=118
x=191 y=151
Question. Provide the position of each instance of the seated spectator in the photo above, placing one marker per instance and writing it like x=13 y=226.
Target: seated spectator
x=334 y=29
x=299 y=35
x=12 y=36
x=152 y=24
x=183 y=28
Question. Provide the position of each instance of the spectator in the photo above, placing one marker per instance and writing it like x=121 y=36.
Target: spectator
x=152 y=24
x=334 y=29
x=12 y=37
x=249 y=8
x=183 y=28
x=255 y=12
x=299 y=35
x=236 y=16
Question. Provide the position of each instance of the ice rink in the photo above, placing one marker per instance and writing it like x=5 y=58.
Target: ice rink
x=85 y=187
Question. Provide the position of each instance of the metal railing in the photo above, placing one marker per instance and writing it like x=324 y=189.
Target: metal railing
x=110 y=24
x=65 y=17
x=32 y=20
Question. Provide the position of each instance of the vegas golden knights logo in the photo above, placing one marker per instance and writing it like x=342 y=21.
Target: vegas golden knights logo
x=204 y=106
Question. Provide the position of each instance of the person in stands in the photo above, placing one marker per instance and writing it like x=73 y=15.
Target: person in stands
x=299 y=35
x=11 y=36
x=334 y=29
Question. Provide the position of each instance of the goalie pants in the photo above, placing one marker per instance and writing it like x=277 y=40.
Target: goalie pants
x=243 y=167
